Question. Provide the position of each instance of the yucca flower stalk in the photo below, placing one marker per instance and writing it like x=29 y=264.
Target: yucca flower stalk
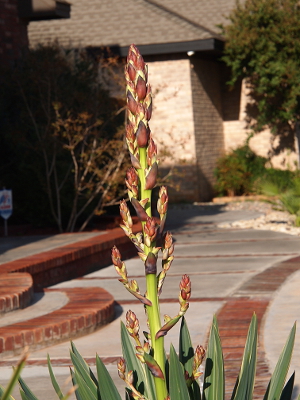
x=143 y=365
x=140 y=180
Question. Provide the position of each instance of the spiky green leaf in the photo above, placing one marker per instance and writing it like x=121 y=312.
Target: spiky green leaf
x=2 y=391
x=6 y=393
x=53 y=380
x=186 y=357
x=27 y=392
x=214 y=385
x=107 y=387
x=178 y=388
x=245 y=382
x=288 y=389
x=85 y=390
x=279 y=375
x=82 y=362
x=186 y=351
x=143 y=379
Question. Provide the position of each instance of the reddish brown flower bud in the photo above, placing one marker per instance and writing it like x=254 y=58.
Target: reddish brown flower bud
x=199 y=357
x=132 y=181
x=150 y=264
x=131 y=103
x=142 y=134
x=152 y=177
x=141 y=88
x=185 y=287
x=132 y=324
x=140 y=212
x=131 y=71
x=116 y=257
x=150 y=228
x=140 y=63
x=125 y=214
x=151 y=152
x=130 y=135
x=135 y=161
x=132 y=54
x=122 y=368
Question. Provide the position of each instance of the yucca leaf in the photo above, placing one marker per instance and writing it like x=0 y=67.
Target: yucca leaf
x=83 y=362
x=53 y=380
x=5 y=393
x=23 y=395
x=214 y=386
x=186 y=357
x=186 y=351
x=245 y=382
x=84 y=374
x=77 y=392
x=28 y=393
x=178 y=388
x=279 y=375
x=107 y=387
x=2 y=391
x=143 y=379
x=288 y=389
x=86 y=391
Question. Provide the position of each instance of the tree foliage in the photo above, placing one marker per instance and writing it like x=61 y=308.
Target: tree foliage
x=263 y=45
x=64 y=135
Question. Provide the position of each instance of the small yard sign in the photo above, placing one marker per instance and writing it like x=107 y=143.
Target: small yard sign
x=5 y=203
x=6 y=206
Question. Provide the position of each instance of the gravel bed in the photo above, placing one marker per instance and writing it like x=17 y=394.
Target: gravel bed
x=273 y=220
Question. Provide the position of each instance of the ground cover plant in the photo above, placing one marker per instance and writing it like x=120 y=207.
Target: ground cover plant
x=287 y=197
x=150 y=371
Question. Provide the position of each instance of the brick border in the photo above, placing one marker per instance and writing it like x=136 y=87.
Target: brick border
x=72 y=260
x=87 y=310
x=16 y=291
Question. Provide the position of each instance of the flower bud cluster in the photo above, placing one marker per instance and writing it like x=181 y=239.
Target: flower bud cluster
x=126 y=218
x=131 y=286
x=198 y=359
x=185 y=293
x=167 y=258
x=132 y=183
x=132 y=325
x=139 y=105
x=128 y=379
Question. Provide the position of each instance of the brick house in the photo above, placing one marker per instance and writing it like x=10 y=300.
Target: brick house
x=196 y=117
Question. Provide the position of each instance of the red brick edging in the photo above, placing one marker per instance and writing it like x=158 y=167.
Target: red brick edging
x=16 y=291
x=87 y=310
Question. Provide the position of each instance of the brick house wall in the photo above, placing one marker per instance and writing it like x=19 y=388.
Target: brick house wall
x=263 y=143
x=13 y=32
x=208 y=122
x=172 y=124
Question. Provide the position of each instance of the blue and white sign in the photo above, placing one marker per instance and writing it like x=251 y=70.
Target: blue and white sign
x=6 y=206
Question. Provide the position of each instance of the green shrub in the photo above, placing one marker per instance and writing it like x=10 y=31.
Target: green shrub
x=237 y=171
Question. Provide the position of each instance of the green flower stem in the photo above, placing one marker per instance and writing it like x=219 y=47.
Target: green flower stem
x=153 y=311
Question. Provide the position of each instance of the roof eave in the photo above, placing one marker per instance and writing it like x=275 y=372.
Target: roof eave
x=196 y=46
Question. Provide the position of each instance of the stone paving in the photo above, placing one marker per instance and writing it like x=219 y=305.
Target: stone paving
x=234 y=273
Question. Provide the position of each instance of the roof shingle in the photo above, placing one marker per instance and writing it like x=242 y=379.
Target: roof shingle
x=119 y=23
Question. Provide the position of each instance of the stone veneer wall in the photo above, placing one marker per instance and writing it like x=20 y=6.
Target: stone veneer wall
x=13 y=32
x=208 y=121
